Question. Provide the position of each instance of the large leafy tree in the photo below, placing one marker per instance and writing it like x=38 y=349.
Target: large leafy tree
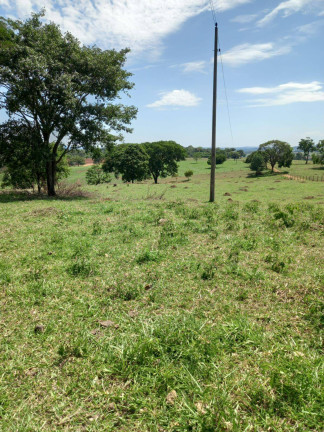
x=129 y=160
x=61 y=91
x=24 y=162
x=277 y=152
x=306 y=145
x=163 y=158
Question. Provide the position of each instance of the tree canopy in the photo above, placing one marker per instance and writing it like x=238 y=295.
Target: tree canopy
x=306 y=145
x=220 y=157
x=60 y=91
x=95 y=175
x=276 y=151
x=163 y=158
x=320 y=150
x=129 y=160
x=23 y=158
x=257 y=162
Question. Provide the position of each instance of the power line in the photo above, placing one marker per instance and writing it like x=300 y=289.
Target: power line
x=212 y=9
x=227 y=104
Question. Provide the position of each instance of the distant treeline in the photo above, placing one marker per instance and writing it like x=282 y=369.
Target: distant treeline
x=78 y=157
x=201 y=152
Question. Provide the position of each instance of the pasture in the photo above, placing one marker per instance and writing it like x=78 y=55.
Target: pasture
x=143 y=307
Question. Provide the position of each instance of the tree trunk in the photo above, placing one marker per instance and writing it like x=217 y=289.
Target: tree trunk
x=38 y=180
x=155 y=179
x=50 y=174
x=307 y=159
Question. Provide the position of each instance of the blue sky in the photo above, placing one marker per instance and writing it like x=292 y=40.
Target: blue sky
x=272 y=53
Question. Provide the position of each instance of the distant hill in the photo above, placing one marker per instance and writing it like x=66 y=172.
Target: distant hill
x=247 y=150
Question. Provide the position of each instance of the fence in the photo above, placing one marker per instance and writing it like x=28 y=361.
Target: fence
x=309 y=178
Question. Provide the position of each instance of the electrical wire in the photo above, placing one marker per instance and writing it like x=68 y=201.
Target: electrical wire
x=213 y=11
x=212 y=8
x=227 y=104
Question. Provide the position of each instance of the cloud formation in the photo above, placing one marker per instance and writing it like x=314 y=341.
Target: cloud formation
x=244 y=19
x=176 y=98
x=138 y=24
x=285 y=94
x=247 y=53
x=195 y=66
x=289 y=7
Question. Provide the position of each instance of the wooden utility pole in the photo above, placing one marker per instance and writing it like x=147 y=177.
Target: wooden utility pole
x=213 y=149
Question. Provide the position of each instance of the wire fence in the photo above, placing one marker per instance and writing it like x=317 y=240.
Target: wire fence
x=315 y=178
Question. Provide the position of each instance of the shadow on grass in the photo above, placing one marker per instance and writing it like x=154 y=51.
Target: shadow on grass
x=318 y=168
x=15 y=196
x=266 y=174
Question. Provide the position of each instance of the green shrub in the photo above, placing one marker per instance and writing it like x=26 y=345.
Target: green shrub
x=188 y=174
x=95 y=175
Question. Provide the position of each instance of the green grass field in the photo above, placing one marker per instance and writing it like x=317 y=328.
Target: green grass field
x=145 y=308
x=299 y=168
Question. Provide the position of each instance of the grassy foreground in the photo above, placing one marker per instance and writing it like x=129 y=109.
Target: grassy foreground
x=148 y=309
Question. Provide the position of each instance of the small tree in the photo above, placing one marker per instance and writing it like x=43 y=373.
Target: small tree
x=95 y=175
x=76 y=160
x=276 y=151
x=235 y=155
x=220 y=157
x=298 y=156
x=249 y=158
x=163 y=158
x=316 y=158
x=197 y=155
x=306 y=145
x=320 y=150
x=188 y=174
x=257 y=163
x=129 y=160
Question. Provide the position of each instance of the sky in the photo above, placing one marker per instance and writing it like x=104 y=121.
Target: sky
x=270 y=67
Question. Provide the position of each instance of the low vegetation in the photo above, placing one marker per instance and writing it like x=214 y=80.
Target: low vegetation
x=136 y=305
x=145 y=308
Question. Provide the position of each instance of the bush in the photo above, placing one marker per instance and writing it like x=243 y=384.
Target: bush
x=220 y=157
x=95 y=175
x=188 y=174
x=257 y=163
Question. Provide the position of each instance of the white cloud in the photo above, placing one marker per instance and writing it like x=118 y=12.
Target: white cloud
x=311 y=28
x=176 y=98
x=289 y=7
x=247 y=53
x=288 y=93
x=244 y=19
x=138 y=24
x=196 y=66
